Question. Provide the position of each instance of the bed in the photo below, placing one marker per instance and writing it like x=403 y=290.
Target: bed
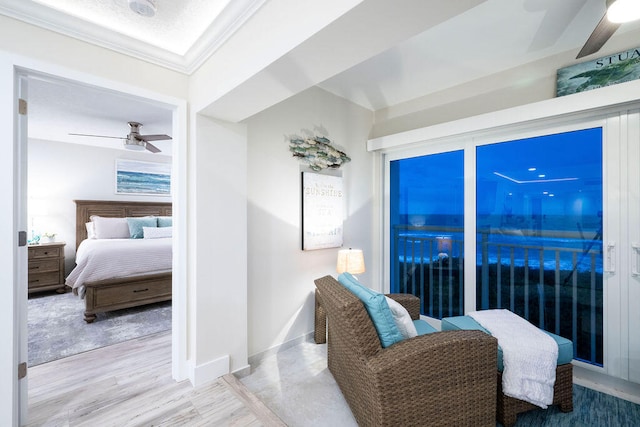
x=128 y=289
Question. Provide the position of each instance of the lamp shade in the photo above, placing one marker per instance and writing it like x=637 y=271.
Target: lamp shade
x=350 y=261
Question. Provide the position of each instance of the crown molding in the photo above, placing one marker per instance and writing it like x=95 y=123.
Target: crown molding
x=234 y=15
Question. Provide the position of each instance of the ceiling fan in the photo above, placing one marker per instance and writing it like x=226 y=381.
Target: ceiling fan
x=134 y=141
x=618 y=12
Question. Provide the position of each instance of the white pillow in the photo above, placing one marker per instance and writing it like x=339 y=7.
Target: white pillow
x=157 y=232
x=402 y=319
x=91 y=232
x=110 y=228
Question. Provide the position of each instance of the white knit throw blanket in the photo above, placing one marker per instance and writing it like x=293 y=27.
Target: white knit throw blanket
x=529 y=356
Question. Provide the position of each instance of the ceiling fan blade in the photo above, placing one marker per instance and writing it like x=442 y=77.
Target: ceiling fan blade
x=603 y=31
x=153 y=137
x=97 y=136
x=151 y=147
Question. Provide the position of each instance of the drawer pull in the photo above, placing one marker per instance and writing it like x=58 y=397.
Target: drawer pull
x=141 y=290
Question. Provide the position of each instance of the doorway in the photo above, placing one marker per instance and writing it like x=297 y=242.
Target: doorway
x=177 y=114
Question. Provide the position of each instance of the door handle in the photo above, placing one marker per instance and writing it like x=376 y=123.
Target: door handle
x=611 y=257
x=635 y=254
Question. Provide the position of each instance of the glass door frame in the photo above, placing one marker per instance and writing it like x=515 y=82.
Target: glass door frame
x=630 y=288
x=615 y=324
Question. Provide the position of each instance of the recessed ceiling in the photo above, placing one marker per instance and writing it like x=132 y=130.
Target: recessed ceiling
x=181 y=34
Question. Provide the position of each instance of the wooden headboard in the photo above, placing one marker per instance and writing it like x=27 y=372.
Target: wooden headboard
x=107 y=208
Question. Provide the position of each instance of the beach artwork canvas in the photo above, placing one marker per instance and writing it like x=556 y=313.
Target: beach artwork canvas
x=143 y=178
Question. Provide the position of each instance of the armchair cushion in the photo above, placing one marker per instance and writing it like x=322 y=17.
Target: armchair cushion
x=378 y=309
x=402 y=319
x=565 y=346
x=423 y=327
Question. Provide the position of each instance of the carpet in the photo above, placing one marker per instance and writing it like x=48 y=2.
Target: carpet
x=56 y=326
x=296 y=384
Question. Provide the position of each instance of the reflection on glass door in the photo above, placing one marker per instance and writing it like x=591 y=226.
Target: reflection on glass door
x=427 y=244
x=539 y=234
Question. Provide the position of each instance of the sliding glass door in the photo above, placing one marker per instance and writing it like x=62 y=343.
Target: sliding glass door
x=537 y=244
x=427 y=235
x=539 y=234
x=631 y=230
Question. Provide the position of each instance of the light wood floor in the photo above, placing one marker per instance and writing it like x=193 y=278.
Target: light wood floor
x=130 y=384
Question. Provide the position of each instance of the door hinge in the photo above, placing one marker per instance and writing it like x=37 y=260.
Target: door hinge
x=22 y=107
x=22 y=370
x=22 y=238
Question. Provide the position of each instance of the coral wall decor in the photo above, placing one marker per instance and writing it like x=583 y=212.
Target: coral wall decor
x=317 y=152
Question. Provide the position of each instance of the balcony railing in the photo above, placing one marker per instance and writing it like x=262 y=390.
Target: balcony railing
x=554 y=281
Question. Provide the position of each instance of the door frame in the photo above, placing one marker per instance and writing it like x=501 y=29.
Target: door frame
x=23 y=69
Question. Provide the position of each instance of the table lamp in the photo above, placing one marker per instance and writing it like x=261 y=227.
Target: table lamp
x=350 y=261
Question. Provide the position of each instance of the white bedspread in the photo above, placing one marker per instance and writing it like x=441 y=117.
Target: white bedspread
x=529 y=356
x=99 y=259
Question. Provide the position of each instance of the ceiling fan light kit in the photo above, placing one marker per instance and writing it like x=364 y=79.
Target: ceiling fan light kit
x=146 y=8
x=134 y=145
x=620 y=11
x=134 y=141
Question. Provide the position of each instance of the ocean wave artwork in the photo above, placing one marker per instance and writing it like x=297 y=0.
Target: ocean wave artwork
x=133 y=177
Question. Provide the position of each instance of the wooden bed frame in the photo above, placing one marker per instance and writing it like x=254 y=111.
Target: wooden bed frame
x=124 y=292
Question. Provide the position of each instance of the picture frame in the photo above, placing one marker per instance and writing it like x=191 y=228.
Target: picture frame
x=606 y=71
x=142 y=178
x=322 y=211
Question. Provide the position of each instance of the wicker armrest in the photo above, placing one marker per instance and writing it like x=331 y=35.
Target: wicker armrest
x=440 y=375
x=408 y=301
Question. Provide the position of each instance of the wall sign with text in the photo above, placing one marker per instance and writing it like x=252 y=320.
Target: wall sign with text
x=609 y=70
x=322 y=211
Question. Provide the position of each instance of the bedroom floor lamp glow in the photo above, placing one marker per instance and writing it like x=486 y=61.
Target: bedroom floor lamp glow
x=351 y=261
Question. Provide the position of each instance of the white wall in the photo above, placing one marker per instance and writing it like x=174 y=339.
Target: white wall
x=526 y=84
x=217 y=249
x=280 y=281
x=30 y=41
x=60 y=173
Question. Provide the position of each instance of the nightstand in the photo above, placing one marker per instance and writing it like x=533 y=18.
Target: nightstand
x=46 y=267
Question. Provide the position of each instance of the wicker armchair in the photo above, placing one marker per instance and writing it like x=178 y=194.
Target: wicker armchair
x=438 y=379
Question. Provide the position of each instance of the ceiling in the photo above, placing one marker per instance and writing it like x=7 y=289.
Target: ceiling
x=487 y=38
x=494 y=36
x=57 y=108
x=180 y=36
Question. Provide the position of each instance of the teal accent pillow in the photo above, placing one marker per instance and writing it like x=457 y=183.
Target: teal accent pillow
x=377 y=307
x=165 y=221
x=136 y=225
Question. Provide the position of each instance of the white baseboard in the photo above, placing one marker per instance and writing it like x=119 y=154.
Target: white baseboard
x=258 y=357
x=242 y=372
x=210 y=371
x=606 y=384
